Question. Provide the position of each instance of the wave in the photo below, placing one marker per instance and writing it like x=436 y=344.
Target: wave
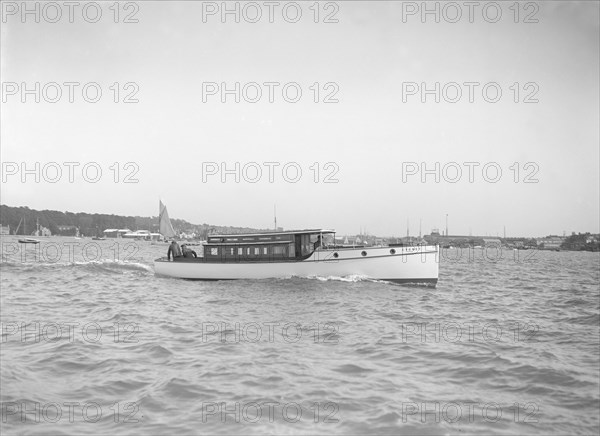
x=354 y=278
x=106 y=265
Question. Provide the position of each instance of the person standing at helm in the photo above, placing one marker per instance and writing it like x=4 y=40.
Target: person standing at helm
x=188 y=252
x=175 y=250
x=317 y=244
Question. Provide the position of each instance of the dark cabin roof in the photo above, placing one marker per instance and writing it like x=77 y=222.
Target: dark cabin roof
x=286 y=232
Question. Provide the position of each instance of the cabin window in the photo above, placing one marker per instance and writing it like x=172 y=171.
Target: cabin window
x=256 y=251
x=248 y=251
x=240 y=251
x=231 y=251
x=265 y=250
x=306 y=245
x=214 y=251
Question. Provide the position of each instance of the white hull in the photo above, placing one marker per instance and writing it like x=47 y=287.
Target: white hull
x=418 y=264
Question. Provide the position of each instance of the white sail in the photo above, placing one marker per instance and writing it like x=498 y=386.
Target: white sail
x=164 y=223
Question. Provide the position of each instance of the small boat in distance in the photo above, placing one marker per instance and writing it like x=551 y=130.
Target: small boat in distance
x=29 y=241
x=26 y=240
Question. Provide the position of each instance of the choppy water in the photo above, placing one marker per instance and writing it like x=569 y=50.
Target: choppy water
x=98 y=344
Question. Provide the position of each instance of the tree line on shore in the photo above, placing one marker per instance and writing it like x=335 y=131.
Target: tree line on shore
x=581 y=242
x=93 y=224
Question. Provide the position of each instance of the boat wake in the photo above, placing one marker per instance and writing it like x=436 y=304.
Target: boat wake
x=106 y=265
x=354 y=278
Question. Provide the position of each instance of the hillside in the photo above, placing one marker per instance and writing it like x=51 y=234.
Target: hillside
x=91 y=224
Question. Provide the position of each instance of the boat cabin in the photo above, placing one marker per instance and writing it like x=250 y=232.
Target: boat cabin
x=292 y=245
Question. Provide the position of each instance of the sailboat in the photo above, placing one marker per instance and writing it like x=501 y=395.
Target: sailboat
x=165 y=228
x=26 y=240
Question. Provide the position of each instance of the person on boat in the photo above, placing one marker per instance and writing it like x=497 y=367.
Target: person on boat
x=188 y=252
x=175 y=250
x=317 y=243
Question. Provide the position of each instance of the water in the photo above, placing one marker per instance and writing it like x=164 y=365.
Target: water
x=500 y=346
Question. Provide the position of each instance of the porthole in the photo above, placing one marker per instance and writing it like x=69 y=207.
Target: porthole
x=392 y=251
x=364 y=253
x=335 y=255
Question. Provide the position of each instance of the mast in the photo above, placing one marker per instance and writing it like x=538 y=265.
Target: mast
x=446 y=224
x=19 y=226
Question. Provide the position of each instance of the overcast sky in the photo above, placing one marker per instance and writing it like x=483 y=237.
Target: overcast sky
x=376 y=135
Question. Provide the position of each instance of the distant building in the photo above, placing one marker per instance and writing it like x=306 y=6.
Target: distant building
x=67 y=230
x=138 y=234
x=410 y=240
x=491 y=242
x=43 y=231
x=115 y=233
x=452 y=240
x=156 y=237
x=550 y=242
x=191 y=235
